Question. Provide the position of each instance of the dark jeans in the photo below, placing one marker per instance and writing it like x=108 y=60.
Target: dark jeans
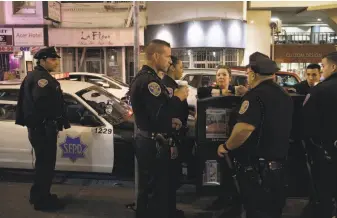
x=153 y=183
x=264 y=199
x=44 y=141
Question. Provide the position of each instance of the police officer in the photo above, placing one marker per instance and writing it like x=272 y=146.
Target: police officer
x=154 y=119
x=41 y=109
x=175 y=72
x=260 y=141
x=320 y=133
x=313 y=75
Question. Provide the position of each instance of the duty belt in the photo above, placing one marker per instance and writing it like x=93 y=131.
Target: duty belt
x=271 y=165
x=148 y=134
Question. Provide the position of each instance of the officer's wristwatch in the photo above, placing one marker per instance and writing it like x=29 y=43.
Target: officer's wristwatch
x=225 y=147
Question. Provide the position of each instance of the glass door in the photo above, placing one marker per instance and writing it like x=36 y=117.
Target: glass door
x=93 y=65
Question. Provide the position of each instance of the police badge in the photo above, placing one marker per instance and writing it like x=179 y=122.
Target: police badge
x=154 y=88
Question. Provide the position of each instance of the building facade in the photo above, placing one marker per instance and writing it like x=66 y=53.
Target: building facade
x=23 y=31
x=96 y=37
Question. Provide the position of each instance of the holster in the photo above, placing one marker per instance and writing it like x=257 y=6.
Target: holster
x=258 y=171
x=163 y=144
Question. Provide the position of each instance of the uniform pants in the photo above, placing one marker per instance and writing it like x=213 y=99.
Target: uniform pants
x=153 y=171
x=266 y=199
x=44 y=141
x=174 y=183
x=325 y=179
x=227 y=184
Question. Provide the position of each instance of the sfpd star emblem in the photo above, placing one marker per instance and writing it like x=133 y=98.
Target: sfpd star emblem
x=73 y=148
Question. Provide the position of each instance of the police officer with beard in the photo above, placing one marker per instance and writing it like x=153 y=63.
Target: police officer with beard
x=175 y=72
x=154 y=118
x=320 y=133
x=260 y=141
x=41 y=109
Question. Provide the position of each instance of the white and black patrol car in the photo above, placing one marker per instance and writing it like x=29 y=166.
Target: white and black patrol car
x=99 y=140
x=114 y=86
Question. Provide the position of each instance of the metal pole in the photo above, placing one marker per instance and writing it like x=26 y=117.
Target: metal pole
x=135 y=70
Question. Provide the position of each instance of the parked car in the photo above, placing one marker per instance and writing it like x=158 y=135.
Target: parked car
x=101 y=130
x=196 y=77
x=114 y=86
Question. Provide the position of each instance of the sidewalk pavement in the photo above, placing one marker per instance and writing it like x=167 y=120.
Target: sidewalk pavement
x=100 y=201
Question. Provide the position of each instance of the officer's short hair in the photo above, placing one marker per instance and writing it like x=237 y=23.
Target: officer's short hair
x=156 y=46
x=314 y=66
x=225 y=68
x=331 y=57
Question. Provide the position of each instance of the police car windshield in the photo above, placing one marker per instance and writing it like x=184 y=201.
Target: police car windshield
x=116 y=81
x=106 y=104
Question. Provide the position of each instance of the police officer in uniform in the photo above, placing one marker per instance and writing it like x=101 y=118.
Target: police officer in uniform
x=41 y=109
x=175 y=72
x=155 y=119
x=320 y=133
x=260 y=141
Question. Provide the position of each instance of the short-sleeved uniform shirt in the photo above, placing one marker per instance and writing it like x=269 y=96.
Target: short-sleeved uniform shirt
x=151 y=102
x=320 y=111
x=269 y=109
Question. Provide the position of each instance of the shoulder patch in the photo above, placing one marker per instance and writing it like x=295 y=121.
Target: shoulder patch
x=42 y=82
x=244 y=107
x=154 y=88
x=306 y=99
x=170 y=90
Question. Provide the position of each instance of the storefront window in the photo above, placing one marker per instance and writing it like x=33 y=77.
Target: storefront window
x=68 y=59
x=208 y=57
x=183 y=55
x=114 y=63
x=298 y=68
x=91 y=60
x=24 y=7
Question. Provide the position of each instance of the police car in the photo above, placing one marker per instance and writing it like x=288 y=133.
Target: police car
x=101 y=128
x=114 y=86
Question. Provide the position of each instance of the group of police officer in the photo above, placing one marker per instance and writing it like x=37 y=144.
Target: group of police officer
x=262 y=131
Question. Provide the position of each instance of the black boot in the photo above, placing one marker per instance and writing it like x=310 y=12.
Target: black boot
x=51 y=203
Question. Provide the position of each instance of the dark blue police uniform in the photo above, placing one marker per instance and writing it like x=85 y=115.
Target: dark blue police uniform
x=181 y=111
x=41 y=109
x=260 y=160
x=320 y=133
x=152 y=106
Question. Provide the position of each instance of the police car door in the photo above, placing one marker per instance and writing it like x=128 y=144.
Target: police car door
x=88 y=145
x=15 y=148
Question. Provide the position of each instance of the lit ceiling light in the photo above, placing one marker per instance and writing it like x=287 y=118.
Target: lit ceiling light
x=252 y=21
x=319 y=19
